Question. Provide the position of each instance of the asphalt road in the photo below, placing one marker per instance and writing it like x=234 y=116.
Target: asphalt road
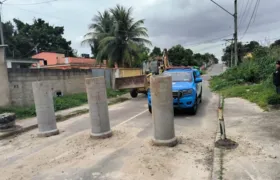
x=127 y=155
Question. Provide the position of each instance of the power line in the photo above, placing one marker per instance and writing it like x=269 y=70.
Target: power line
x=208 y=41
x=44 y=2
x=248 y=26
x=251 y=2
x=218 y=45
x=234 y=15
x=210 y=47
x=47 y=15
x=34 y=48
x=244 y=12
x=256 y=11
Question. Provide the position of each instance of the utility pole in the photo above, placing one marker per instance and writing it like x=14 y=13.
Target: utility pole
x=235 y=34
x=231 y=55
x=235 y=28
x=1 y=27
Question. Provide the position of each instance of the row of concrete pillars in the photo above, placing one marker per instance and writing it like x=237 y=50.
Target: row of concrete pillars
x=162 y=104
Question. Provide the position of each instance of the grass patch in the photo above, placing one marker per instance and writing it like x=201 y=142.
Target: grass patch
x=21 y=112
x=262 y=94
x=251 y=79
x=60 y=103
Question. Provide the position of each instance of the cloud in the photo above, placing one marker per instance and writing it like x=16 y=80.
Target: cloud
x=169 y=22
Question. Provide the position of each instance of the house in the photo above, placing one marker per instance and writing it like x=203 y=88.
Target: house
x=24 y=63
x=59 y=61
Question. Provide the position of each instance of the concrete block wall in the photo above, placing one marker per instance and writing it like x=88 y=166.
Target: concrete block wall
x=66 y=81
x=106 y=73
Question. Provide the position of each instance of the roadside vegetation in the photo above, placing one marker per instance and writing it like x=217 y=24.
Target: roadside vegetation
x=252 y=78
x=60 y=103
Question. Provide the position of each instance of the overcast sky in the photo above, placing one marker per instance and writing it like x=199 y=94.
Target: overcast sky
x=191 y=23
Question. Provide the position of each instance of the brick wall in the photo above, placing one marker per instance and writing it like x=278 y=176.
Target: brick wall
x=67 y=81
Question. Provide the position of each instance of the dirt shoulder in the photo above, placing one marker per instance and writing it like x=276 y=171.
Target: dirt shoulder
x=127 y=155
x=257 y=133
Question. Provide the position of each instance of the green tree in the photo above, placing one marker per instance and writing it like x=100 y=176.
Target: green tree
x=143 y=52
x=198 y=59
x=251 y=46
x=276 y=43
x=100 y=27
x=243 y=49
x=24 y=39
x=177 y=56
x=121 y=43
x=8 y=32
x=156 y=52
x=189 y=60
x=215 y=60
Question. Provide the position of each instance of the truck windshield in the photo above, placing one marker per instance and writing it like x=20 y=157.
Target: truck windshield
x=180 y=76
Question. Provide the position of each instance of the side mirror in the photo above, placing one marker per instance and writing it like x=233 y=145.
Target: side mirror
x=198 y=80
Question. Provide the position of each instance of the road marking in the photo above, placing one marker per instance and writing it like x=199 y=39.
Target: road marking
x=250 y=175
x=131 y=118
x=247 y=172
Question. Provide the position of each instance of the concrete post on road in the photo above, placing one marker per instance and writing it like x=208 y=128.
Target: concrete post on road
x=43 y=98
x=98 y=107
x=4 y=80
x=163 y=112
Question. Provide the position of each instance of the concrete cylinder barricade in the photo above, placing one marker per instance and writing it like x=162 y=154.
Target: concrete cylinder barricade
x=163 y=112
x=98 y=107
x=43 y=99
x=4 y=80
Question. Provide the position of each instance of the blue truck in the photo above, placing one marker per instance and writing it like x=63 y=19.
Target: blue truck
x=186 y=89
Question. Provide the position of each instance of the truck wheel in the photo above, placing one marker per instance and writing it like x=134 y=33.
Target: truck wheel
x=194 y=108
x=133 y=93
x=150 y=109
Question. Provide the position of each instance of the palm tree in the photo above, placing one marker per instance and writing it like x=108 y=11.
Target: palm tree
x=100 y=27
x=125 y=35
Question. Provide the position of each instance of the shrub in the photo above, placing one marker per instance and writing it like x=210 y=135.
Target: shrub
x=273 y=100
x=252 y=79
